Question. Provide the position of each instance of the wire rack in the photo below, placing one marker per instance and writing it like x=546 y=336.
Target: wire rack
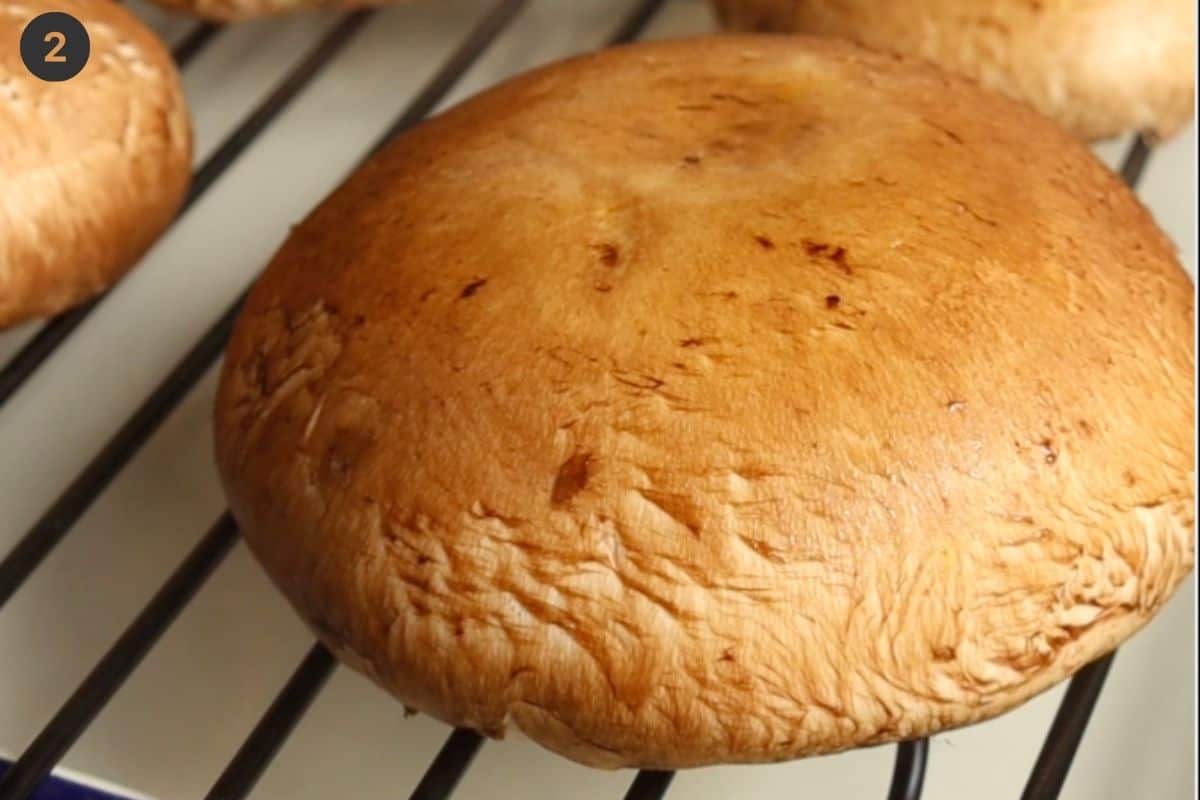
x=294 y=698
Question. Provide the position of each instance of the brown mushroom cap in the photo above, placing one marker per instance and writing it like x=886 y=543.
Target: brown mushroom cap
x=1099 y=67
x=92 y=169
x=723 y=400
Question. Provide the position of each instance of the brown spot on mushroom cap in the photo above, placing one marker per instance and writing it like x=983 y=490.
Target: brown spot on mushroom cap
x=609 y=253
x=572 y=478
x=471 y=288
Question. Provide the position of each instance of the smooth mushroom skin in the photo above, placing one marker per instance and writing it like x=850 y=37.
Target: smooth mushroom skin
x=1101 y=68
x=92 y=169
x=547 y=417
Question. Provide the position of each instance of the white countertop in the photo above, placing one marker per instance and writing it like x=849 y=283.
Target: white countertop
x=184 y=712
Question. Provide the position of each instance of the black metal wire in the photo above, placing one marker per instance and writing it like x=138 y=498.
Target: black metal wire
x=1062 y=742
x=1134 y=162
x=273 y=729
x=635 y=22
x=66 y=510
x=650 y=784
x=43 y=344
x=191 y=45
x=448 y=766
x=467 y=53
x=20 y=781
x=908 y=776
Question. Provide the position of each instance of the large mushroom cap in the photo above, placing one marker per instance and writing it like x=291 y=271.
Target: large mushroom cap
x=731 y=399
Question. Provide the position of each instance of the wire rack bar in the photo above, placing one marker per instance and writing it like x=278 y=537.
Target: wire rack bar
x=51 y=335
x=635 y=22
x=66 y=510
x=1062 y=742
x=43 y=343
x=462 y=59
x=20 y=781
x=908 y=776
x=1134 y=163
x=191 y=45
x=650 y=784
x=448 y=766
x=276 y=724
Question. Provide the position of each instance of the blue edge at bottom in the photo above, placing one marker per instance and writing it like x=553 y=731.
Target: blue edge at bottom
x=56 y=788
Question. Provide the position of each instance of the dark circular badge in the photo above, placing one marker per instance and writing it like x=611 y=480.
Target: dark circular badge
x=55 y=46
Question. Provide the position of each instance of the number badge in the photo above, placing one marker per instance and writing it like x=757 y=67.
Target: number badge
x=55 y=46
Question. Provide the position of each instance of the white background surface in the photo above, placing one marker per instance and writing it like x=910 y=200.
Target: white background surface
x=185 y=711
